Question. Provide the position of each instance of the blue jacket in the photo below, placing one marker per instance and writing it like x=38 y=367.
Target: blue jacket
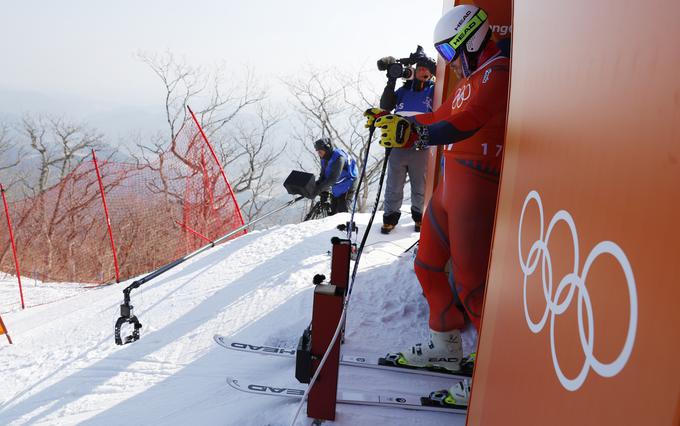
x=411 y=102
x=347 y=175
x=405 y=101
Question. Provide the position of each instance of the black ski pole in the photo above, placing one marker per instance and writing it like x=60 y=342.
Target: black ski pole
x=370 y=222
x=362 y=177
x=126 y=314
x=411 y=246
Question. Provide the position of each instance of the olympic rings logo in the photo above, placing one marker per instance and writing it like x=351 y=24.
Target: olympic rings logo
x=462 y=95
x=572 y=282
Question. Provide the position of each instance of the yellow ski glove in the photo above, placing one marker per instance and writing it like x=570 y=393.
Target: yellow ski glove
x=372 y=113
x=395 y=131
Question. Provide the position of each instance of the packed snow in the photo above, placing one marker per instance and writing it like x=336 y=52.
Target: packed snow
x=64 y=367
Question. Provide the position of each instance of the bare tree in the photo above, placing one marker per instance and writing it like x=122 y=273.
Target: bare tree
x=58 y=146
x=8 y=160
x=331 y=104
x=11 y=156
x=256 y=157
x=183 y=83
x=245 y=145
x=58 y=218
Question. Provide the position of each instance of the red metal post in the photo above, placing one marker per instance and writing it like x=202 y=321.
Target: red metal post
x=212 y=151
x=106 y=212
x=342 y=252
x=14 y=248
x=326 y=316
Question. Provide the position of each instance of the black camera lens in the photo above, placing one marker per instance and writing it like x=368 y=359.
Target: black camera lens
x=396 y=71
x=399 y=71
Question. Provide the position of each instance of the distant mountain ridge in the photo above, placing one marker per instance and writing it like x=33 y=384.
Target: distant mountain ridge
x=116 y=121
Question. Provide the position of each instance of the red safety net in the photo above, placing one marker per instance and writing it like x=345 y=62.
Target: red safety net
x=159 y=211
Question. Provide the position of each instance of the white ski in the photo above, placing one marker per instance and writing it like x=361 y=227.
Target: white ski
x=398 y=400
x=349 y=360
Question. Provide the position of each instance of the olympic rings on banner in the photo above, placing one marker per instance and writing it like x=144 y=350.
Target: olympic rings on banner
x=573 y=282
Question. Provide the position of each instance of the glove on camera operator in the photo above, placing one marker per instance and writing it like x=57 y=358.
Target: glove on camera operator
x=338 y=176
x=412 y=98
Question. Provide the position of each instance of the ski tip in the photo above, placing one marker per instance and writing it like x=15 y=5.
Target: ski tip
x=233 y=382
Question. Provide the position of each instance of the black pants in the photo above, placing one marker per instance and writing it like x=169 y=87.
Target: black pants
x=342 y=203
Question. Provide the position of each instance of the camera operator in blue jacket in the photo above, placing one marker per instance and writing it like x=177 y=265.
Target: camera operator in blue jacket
x=414 y=97
x=338 y=176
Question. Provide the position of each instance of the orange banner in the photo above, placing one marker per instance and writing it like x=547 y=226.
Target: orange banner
x=581 y=319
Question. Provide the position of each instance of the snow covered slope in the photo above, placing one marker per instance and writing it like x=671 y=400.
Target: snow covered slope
x=64 y=367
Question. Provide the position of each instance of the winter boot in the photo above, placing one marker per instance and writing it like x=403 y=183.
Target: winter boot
x=417 y=218
x=386 y=228
x=457 y=396
x=390 y=220
x=444 y=351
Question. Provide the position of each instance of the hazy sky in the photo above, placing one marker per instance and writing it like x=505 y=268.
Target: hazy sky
x=86 y=48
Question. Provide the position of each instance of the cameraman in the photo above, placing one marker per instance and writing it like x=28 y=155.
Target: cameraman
x=412 y=98
x=338 y=176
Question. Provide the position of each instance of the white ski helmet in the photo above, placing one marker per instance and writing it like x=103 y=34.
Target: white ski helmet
x=462 y=29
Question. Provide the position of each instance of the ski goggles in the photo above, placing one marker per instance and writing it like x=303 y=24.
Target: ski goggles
x=449 y=48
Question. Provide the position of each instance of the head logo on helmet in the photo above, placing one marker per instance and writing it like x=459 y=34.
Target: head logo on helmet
x=462 y=31
x=462 y=20
x=464 y=34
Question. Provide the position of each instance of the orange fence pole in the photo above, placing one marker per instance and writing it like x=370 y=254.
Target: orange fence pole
x=106 y=212
x=14 y=248
x=224 y=176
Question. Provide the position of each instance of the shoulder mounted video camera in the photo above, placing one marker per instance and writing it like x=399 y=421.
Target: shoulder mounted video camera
x=402 y=68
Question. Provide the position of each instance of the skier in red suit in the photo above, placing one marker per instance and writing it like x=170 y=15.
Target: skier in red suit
x=458 y=222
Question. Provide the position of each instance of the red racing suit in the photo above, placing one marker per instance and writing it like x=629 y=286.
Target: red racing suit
x=458 y=222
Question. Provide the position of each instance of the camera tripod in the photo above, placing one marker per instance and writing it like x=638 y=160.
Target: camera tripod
x=320 y=209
